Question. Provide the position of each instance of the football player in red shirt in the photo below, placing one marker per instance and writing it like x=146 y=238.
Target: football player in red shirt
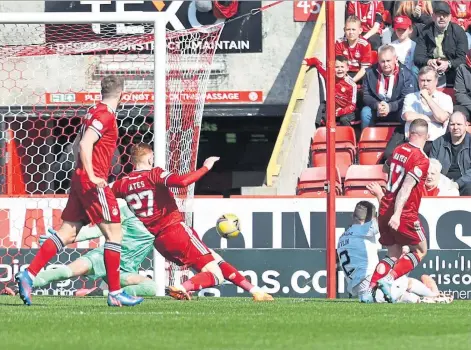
x=90 y=199
x=345 y=88
x=146 y=191
x=399 y=222
x=355 y=48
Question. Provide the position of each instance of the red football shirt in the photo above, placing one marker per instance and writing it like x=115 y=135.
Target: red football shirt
x=406 y=159
x=358 y=55
x=102 y=120
x=369 y=13
x=147 y=195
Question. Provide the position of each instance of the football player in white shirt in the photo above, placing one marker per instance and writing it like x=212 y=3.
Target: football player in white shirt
x=357 y=250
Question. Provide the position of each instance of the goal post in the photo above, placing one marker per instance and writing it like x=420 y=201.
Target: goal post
x=180 y=76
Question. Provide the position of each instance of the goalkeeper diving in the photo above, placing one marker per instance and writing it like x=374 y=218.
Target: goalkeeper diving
x=136 y=245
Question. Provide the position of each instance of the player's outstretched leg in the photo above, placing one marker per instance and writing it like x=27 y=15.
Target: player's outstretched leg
x=48 y=250
x=232 y=275
x=137 y=285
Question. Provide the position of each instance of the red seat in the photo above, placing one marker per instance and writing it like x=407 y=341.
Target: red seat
x=359 y=176
x=312 y=181
x=372 y=144
x=345 y=142
x=343 y=161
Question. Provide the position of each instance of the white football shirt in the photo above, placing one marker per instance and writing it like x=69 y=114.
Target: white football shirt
x=357 y=250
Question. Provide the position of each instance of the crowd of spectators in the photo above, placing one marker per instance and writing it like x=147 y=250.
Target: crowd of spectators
x=421 y=69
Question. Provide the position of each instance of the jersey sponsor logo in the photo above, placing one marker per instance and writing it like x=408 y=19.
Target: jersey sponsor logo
x=97 y=124
x=417 y=171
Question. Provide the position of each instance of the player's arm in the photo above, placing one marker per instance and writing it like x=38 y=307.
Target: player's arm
x=403 y=195
x=86 y=155
x=376 y=190
x=173 y=180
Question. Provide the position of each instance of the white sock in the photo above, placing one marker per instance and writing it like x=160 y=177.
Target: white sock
x=116 y=292
x=420 y=289
x=255 y=290
x=409 y=298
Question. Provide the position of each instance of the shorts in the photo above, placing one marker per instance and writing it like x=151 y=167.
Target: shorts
x=180 y=244
x=398 y=289
x=410 y=232
x=89 y=204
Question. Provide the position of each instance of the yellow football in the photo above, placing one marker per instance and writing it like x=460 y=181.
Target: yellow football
x=228 y=226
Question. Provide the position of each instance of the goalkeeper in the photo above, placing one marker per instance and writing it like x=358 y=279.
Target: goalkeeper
x=136 y=245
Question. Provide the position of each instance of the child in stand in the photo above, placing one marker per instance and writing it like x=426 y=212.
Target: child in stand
x=345 y=88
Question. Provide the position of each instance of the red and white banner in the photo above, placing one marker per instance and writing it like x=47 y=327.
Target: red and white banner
x=293 y=222
x=145 y=97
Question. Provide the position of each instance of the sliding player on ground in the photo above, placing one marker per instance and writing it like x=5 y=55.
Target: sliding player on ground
x=90 y=199
x=357 y=251
x=146 y=190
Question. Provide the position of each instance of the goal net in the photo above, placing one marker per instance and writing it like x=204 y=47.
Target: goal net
x=49 y=76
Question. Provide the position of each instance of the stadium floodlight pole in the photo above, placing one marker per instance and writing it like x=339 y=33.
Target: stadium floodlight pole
x=160 y=20
x=331 y=166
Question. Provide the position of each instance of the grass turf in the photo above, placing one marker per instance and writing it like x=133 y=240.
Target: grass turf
x=232 y=323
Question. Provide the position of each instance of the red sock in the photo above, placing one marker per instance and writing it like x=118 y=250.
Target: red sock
x=48 y=250
x=405 y=265
x=112 y=256
x=384 y=266
x=232 y=275
x=200 y=281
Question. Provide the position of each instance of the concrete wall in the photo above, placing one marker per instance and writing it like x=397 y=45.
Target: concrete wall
x=273 y=71
x=294 y=154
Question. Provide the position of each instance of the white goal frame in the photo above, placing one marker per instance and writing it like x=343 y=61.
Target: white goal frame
x=160 y=20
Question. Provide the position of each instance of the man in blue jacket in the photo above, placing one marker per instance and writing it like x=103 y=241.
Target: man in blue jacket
x=385 y=86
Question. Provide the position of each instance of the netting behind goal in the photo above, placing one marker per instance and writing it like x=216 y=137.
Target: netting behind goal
x=49 y=76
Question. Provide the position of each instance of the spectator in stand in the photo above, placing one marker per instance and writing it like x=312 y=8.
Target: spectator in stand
x=404 y=46
x=438 y=184
x=463 y=88
x=385 y=86
x=420 y=12
x=345 y=88
x=429 y=104
x=370 y=14
x=461 y=15
x=453 y=151
x=356 y=49
x=441 y=45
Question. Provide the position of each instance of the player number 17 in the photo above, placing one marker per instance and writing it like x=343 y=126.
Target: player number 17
x=396 y=174
x=135 y=201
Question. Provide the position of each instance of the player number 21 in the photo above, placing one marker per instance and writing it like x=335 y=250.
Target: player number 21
x=135 y=200
x=396 y=174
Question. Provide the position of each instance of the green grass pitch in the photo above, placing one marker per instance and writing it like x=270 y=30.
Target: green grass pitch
x=231 y=323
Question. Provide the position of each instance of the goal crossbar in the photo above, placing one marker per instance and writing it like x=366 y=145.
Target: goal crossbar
x=160 y=20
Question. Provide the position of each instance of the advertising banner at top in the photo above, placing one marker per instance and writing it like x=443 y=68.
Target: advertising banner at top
x=242 y=36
